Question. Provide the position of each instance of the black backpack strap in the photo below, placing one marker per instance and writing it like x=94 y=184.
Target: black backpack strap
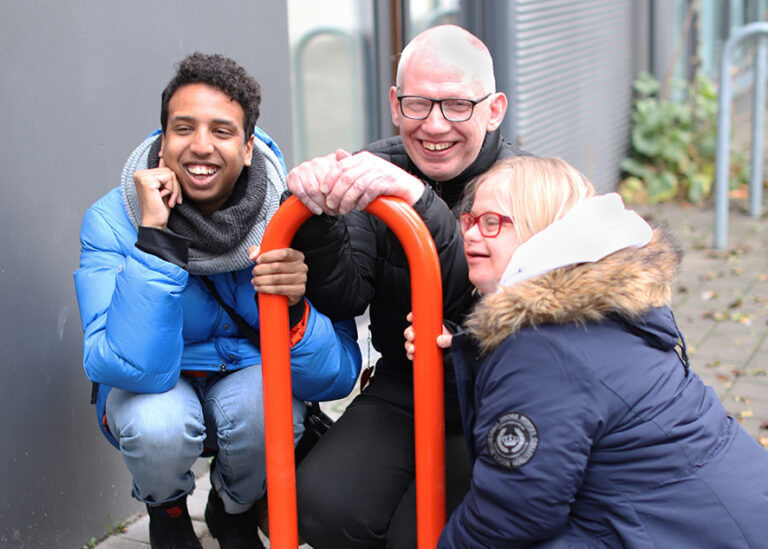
x=246 y=329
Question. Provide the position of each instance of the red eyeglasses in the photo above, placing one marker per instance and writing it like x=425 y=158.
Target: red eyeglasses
x=489 y=223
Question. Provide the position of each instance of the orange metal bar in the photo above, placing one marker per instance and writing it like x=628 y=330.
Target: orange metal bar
x=429 y=413
x=276 y=383
x=426 y=296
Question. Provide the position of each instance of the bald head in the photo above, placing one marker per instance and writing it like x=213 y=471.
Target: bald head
x=449 y=47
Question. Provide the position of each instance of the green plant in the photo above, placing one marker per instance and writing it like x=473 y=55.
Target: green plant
x=673 y=143
x=114 y=528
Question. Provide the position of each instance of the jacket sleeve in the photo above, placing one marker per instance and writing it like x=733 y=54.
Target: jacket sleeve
x=130 y=308
x=326 y=362
x=444 y=229
x=517 y=504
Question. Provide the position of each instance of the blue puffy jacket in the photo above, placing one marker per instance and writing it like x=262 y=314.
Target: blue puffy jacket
x=146 y=320
x=587 y=428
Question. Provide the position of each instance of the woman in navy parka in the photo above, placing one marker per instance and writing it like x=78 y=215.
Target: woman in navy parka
x=585 y=424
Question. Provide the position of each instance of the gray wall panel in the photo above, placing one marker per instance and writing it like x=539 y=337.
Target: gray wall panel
x=572 y=67
x=80 y=88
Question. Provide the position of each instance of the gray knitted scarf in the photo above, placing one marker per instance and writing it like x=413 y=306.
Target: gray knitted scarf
x=220 y=241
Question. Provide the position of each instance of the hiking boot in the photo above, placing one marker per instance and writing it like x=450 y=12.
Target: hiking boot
x=170 y=526
x=232 y=531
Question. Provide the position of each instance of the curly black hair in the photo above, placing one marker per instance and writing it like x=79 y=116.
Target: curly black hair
x=222 y=73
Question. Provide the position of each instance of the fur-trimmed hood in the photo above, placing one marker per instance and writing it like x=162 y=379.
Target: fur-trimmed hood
x=627 y=283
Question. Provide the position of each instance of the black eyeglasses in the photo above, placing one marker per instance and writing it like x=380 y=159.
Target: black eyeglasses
x=489 y=223
x=454 y=109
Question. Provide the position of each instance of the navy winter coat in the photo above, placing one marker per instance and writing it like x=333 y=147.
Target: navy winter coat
x=586 y=426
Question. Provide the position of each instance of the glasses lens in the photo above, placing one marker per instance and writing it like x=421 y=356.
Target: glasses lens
x=457 y=110
x=490 y=224
x=415 y=107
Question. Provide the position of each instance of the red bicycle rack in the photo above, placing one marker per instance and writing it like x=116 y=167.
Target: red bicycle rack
x=426 y=298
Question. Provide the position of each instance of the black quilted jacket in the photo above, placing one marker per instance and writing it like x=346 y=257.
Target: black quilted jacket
x=356 y=261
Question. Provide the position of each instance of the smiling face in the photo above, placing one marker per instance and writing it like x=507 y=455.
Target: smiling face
x=204 y=144
x=439 y=148
x=488 y=257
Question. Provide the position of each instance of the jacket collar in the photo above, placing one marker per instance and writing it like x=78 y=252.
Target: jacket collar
x=628 y=284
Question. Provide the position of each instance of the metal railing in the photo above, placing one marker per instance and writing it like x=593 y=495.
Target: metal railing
x=429 y=419
x=722 y=158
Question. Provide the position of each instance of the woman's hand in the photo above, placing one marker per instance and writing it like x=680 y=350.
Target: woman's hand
x=444 y=340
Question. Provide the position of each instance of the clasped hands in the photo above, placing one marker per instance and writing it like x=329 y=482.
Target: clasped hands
x=341 y=182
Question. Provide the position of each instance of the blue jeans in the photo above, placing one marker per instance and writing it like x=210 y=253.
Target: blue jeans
x=162 y=434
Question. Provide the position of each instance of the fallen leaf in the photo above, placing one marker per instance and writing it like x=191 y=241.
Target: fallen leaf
x=713 y=364
x=708 y=295
x=745 y=320
x=715 y=315
x=745 y=413
x=738 y=372
x=742 y=191
x=742 y=249
x=736 y=303
x=763 y=440
x=722 y=377
x=743 y=399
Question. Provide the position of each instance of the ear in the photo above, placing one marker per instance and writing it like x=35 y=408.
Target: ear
x=248 y=151
x=394 y=106
x=498 y=107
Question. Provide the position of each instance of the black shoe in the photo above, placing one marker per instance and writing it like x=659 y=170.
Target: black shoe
x=170 y=526
x=233 y=531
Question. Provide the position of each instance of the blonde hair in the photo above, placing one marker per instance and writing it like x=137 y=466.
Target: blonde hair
x=533 y=191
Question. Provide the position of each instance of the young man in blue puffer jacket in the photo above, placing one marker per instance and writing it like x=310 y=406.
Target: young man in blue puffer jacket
x=174 y=375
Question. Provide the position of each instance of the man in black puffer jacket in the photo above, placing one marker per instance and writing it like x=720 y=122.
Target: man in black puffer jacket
x=356 y=487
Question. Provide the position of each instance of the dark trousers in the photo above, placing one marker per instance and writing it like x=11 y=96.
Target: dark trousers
x=356 y=488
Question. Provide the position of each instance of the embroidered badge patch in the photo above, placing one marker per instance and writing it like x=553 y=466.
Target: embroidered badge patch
x=513 y=440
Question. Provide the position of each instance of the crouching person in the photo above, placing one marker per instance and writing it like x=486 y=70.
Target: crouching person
x=585 y=424
x=162 y=254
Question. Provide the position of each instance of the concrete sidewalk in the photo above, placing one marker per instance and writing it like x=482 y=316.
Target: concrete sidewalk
x=721 y=305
